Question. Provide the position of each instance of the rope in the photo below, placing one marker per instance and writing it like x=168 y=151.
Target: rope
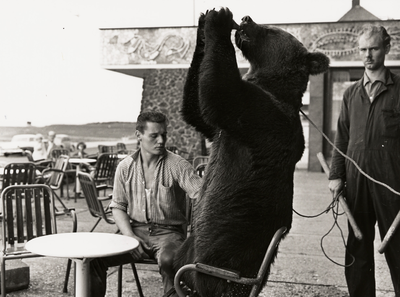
x=348 y=158
x=334 y=206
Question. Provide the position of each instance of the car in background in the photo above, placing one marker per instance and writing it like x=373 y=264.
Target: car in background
x=18 y=144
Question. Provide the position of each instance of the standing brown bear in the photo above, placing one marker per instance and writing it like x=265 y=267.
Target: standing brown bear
x=257 y=138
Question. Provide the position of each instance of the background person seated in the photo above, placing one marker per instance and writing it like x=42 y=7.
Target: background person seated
x=81 y=146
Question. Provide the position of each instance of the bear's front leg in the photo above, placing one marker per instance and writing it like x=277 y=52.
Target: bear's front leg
x=191 y=111
x=220 y=83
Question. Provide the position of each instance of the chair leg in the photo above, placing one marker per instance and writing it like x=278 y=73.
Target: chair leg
x=120 y=281
x=95 y=225
x=3 y=278
x=65 y=289
x=67 y=183
x=61 y=191
x=135 y=274
x=65 y=209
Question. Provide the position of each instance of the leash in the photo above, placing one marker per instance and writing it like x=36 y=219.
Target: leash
x=395 y=224
x=348 y=158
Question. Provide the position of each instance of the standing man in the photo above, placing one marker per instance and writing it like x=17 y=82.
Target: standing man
x=39 y=149
x=50 y=144
x=368 y=131
x=148 y=203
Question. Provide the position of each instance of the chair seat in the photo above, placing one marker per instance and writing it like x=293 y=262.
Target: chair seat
x=18 y=254
x=16 y=250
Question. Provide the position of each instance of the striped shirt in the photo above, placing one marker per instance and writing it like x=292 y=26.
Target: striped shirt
x=174 y=176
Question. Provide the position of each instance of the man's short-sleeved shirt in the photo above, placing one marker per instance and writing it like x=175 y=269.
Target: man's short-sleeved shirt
x=174 y=178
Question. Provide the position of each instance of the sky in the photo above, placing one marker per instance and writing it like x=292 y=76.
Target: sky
x=50 y=70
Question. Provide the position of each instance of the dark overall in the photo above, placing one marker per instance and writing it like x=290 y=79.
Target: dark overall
x=369 y=133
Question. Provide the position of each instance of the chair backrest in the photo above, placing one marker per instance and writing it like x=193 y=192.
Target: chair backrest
x=107 y=149
x=263 y=272
x=200 y=160
x=201 y=169
x=121 y=148
x=56 y=152
x=183 y=154
x=27 y=212
x=90 y=192
x=57 y=172
x=19 y=174
x=105 y=166
x=28 y=155
x=173 y=149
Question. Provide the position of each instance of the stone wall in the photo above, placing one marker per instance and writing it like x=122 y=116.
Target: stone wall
x=163 y=91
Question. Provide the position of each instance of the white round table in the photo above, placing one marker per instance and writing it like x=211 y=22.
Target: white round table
x=81 y=247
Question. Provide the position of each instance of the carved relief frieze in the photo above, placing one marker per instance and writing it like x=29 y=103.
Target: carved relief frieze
x=337 y=42
x=394 y=33
x=141 y=46
x=138 y=46
x=341 y=43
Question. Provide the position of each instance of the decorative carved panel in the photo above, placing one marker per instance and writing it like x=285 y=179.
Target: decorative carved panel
x=176 y=45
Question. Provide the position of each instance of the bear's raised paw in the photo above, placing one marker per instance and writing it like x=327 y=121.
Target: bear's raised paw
x=219 y=22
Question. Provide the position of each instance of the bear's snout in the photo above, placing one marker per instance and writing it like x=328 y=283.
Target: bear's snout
x=246 y=19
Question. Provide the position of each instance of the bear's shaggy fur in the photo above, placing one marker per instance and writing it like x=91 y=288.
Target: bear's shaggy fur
x=257 y=137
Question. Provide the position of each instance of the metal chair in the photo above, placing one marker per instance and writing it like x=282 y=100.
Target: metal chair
x=56 y=152
x=107 y=149
x=105 y=169
x=27 y=212
x=53 y=177
x=19 y=174
x=94 y=202
x=188 y=227
x=40 y=165
x=173 y=149
x=97 y=210
x=201 y=169
x=121 y=148
x=232 y=276
x=200 y=160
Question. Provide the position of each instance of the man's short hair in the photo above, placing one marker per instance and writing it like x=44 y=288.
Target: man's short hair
x=369 y=30
x=150 y=116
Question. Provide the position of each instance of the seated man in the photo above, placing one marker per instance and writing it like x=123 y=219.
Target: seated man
x=149 y=201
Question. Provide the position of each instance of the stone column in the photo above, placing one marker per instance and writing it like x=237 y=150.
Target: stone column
x=163 y=91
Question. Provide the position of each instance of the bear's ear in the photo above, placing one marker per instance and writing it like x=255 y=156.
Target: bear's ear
x=317 y=62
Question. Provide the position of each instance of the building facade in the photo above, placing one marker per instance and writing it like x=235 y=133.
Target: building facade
x=161 y=56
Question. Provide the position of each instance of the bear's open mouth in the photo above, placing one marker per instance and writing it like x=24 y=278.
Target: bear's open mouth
x=241 y=37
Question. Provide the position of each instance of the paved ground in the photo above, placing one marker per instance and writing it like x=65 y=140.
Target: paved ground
x=301 y=268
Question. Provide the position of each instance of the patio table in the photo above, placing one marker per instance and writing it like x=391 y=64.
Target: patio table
x=82 y=247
